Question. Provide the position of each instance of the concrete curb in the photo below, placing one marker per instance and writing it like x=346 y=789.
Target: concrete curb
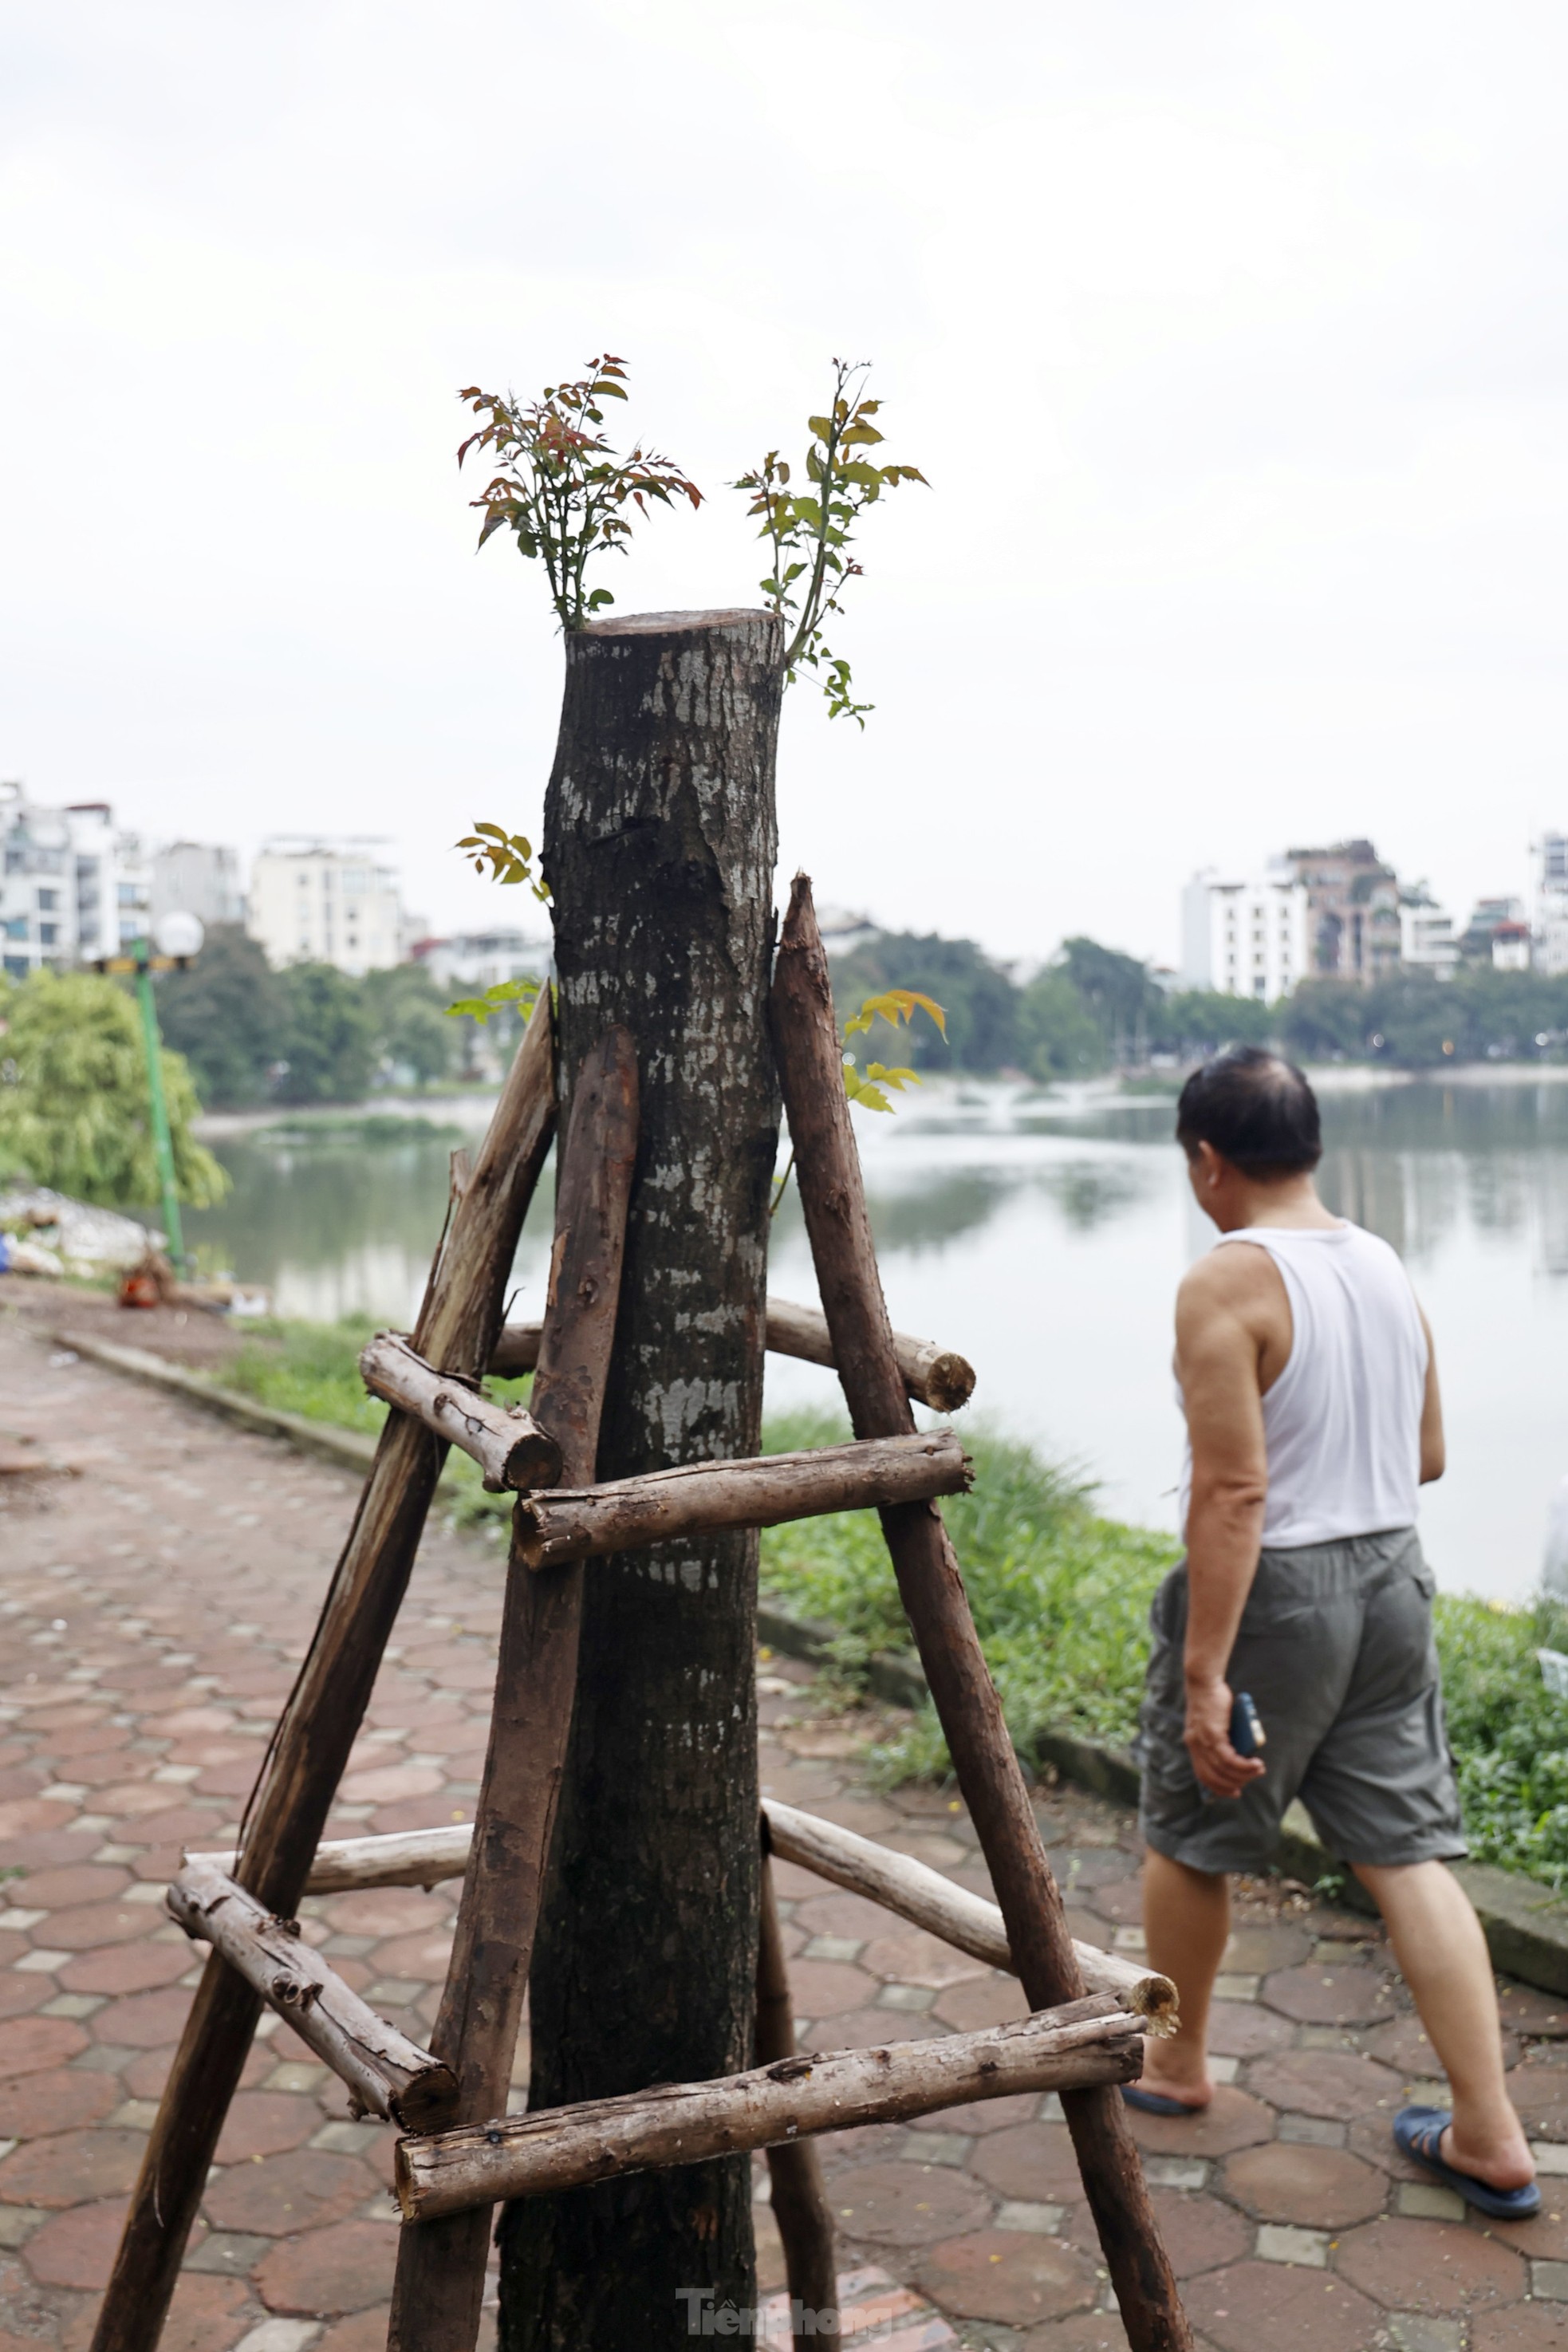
x=1526 y=1926
x=346 y=1447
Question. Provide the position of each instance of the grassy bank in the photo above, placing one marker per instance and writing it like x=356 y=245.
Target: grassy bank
x=1060 y=1595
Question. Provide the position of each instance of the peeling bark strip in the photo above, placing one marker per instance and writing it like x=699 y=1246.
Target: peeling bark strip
x=506 y=1440
x=939 y=1377
x=456 y=1328
x=967 y=1921
x=439 y=2284
x=833 y=1197
x=659 y=846
x=586 y=1522
x=683 y=2124
x=800 y=2203
x=387 y=2074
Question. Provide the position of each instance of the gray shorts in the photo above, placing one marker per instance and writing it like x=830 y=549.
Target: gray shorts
x=1336 y=1647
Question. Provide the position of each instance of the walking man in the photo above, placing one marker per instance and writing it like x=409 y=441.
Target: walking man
x=1307 y=1376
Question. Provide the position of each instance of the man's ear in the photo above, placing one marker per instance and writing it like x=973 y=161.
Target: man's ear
x=1207 y=1166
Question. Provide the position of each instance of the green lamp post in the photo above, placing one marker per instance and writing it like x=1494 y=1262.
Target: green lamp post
x=177 y=938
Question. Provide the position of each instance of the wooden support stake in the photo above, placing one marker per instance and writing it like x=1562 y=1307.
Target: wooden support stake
x=800 y=2203
x=939 y=1377
x=833 y=1197
x=920 y=1893
x=588 y=1522
x=910 y=1888
x=1090 y=2040
x=456 y=1328
x=506 y=1440
x=388 y=2074
x=439 y=2284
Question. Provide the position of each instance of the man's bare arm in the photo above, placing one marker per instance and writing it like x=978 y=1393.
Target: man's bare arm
x=1222 y=1313
x=1434 y=1446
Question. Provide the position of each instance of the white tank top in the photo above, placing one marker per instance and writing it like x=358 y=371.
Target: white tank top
x=1342 y=1422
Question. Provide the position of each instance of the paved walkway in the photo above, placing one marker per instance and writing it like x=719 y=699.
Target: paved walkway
x=151 y=1608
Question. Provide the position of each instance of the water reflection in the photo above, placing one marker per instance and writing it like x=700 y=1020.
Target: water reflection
x=1045 y=1241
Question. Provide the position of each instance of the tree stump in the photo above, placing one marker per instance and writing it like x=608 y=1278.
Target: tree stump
x=660 y=843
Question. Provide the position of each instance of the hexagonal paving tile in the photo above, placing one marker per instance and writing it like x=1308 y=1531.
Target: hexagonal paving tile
x=1006 y=2275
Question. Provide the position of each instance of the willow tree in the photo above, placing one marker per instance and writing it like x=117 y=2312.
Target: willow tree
x=657 y=860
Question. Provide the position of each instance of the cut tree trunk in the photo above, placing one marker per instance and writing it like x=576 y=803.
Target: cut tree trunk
x=800 y=2205
x=658 y=844
x=683 y=2124
x=592 y=1522
x=439 y=2285
x=833 y=1198
x=506 y=1440
x=939 y=1377
x=386 y=2074
x=457 y=1329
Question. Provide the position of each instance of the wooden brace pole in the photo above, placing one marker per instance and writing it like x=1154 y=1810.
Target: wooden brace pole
x=387 y=2074
x=506 y=1440
x=939 y=1377
x=833 y=1198
x=456 y=1328
x=1091 y=2040
x=590 y=1521
x=438 y=2289
x=910 y=1888
x=801 y=2208
x=924 y=1896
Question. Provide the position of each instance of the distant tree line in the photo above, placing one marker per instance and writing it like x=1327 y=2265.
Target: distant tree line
x=1093 y=1009
x=307 y=1033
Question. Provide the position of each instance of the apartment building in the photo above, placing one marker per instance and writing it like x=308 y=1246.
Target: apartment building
x=73 y=885
x=1549 y=859
x=1245 y=936
x=322 y=901
x=1354 y=908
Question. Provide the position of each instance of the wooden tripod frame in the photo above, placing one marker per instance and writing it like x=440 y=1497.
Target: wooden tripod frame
x=461 y=2153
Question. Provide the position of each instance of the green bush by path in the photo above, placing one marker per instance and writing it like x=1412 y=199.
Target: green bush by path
x=1060 y=1595
x=1061 y=1599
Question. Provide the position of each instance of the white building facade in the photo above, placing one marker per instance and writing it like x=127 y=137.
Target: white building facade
x=325 y=902
x=1550 y=906
x=197 y=877
x=73 y=885
x=1244 y=936
x=1429 y=936
x=474 y=960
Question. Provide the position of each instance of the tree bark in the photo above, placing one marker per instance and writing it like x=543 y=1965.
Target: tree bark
x=387 y=2074
x=457 y=1329
x=506 y=1440
x=801 y=2208
x=659 y=842
x=439 y=2285
x=833 y=1197
x=587 y=1522
x=684 y=2123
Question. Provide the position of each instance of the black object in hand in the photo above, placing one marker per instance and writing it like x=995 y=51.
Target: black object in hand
x=1246 y=1732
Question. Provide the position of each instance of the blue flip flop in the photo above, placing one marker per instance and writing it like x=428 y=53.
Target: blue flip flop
x=1418 y=2131
x=1155 y=2103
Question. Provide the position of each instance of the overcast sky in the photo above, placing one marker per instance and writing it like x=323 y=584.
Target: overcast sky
x=1232 y=340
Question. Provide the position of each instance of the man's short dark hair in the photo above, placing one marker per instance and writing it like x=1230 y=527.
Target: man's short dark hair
x=1258 y=1111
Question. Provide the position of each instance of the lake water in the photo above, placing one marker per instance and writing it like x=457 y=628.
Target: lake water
x=1044 y=1239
